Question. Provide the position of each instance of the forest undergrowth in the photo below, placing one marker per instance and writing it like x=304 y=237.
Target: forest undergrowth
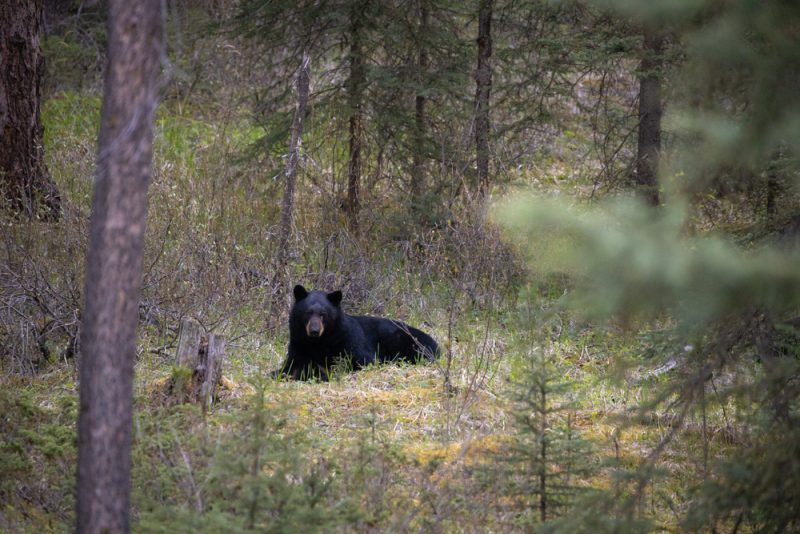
x=392 y=448
x=624 y=408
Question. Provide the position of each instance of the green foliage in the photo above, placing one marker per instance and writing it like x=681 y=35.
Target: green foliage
x=250 y=472
x=547 y=467
x=721 y=305
x=736 y=107
x=701 y=416
x=37 y=455
x=554 y=458
x=71 y=124
x=74 y=48
x=633 y=263
x=392 y=37
x=756 y=487
x=368 y=464
x=181 y=380
x=724 y=312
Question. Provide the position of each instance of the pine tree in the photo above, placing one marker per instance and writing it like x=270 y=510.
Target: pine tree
x=395 y=89
x=726 y=307
x=548 y=439
x=546 y=466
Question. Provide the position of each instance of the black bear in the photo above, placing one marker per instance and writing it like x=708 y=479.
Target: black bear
x=321 y=335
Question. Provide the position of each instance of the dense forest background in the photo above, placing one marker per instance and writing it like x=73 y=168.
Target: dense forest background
x=591 y=205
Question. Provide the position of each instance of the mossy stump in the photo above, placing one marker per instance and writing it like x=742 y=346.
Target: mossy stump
x=198 y=365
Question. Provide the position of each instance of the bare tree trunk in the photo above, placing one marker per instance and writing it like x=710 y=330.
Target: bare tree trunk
x=483 y=83
x=355 y=89
x=26 y=184
x=418 y=177
x=114 y=265
x=650 y=109
x=291 y=169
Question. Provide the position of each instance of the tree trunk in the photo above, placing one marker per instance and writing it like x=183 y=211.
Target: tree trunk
x=291 y=169
x=543 y=454
x=773 y=184
x=650 y=108
x=483 y=83
x=355 y=89
x=418 y=176
x=27 y=186
x=114 y=265
x=772 y=193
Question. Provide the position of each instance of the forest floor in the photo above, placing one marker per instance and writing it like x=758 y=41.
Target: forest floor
x=439 y=447
x=392 y=448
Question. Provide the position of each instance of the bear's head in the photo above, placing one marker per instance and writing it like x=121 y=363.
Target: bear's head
x=316 y=311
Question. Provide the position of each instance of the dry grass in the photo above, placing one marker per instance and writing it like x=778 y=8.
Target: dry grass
x=426 y=461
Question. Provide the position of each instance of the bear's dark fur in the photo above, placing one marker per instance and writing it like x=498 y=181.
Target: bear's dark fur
x=322 y=335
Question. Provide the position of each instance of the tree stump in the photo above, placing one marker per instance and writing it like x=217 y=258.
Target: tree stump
x=199 y=360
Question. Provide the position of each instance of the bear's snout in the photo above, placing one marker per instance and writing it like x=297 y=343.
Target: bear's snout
x=315 y=327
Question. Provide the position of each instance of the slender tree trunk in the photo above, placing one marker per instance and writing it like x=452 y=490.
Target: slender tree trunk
x=114 y=265
x=543 y=455
x=650 y=109
x=418 y=176
x=355 y=91
x=772 y=193
x=773 y=185
x=483 y=83
x=26 y=184
x=287 y=206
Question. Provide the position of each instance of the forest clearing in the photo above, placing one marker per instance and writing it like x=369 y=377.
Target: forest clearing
x=578 y=221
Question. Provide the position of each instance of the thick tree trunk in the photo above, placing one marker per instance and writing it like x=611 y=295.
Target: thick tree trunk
x=114 y=265
x=355 y=91
x=650 y=109
x=287 y=207
x=418 y=177
x=26 y=184
x=483 y=83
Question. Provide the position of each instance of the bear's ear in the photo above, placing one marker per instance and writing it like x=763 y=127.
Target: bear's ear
x=335 y=297
x=300 y=293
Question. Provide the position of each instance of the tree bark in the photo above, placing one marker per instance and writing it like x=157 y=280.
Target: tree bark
x=114 y=265
x=198 y=362
x=26 y=183
x=418 y=176
x=287 y=206
x=355 y=90
x=543 y=456
x=773 y=184
x=650 y=109
x=483 y=83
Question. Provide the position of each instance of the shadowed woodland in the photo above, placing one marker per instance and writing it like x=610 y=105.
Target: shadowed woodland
x=590 y=205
